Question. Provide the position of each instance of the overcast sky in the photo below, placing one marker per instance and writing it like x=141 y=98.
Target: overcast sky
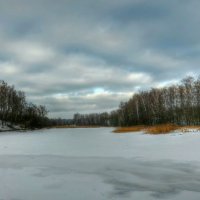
x=88 y=55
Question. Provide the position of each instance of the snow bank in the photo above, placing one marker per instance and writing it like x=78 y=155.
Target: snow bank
x=9 y=127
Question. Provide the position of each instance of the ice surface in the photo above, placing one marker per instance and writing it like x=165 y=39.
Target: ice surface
x=92 y=164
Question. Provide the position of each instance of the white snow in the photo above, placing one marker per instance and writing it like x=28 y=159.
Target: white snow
x=8 y=127
x=97 y=164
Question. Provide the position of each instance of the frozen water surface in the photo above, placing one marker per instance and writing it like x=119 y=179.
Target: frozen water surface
x=73 y=164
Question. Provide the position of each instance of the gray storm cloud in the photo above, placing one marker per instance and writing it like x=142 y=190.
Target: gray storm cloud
x=89 y=55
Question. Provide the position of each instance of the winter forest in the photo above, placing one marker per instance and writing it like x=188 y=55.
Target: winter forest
x=15 y=109
x=177 y=104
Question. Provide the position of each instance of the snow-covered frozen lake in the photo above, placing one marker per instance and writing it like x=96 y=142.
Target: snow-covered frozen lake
x=96 y=164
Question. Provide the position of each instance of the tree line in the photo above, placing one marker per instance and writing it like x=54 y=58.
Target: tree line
x=93 y=119
x=177 y=104
x=15 y=109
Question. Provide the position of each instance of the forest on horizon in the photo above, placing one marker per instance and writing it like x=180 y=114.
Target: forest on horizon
x=15 y=109
x=177 y=104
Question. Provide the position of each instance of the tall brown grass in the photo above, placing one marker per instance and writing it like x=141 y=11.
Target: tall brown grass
x=129 y=129
x=162 y=129
x=156 y=129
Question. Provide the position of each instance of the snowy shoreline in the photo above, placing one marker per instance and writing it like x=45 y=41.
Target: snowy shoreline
x=8 y=128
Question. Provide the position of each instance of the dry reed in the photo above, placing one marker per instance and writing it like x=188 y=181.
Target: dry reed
x=162 y=129
x=129 y=129
x=156 y=129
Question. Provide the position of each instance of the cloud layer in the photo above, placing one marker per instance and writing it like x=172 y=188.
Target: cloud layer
x=87 y=56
